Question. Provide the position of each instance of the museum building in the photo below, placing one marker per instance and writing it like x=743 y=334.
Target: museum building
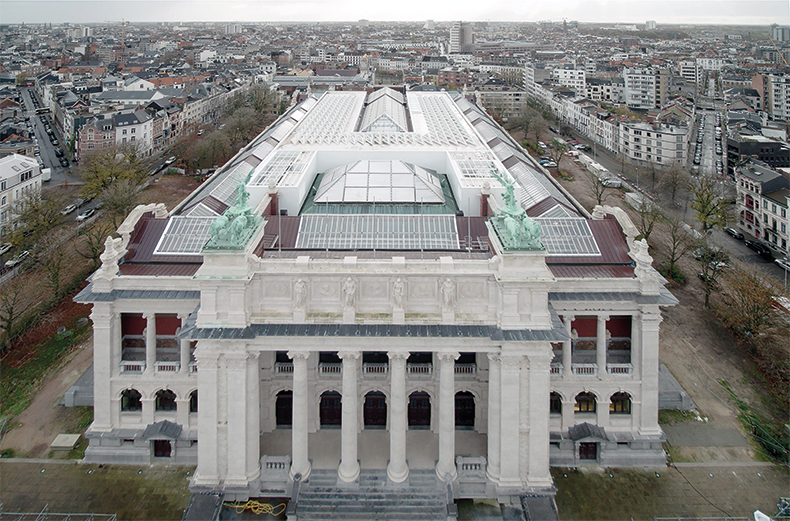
x=382 y=280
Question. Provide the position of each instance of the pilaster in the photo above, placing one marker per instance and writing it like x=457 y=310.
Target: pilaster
x=649 y=395
x=207 y=473
x=600 y=346
x=104 y=343
x=509 y=421
x=567 y=349
x=538 y=473
x=494 y=408
x=150 y=342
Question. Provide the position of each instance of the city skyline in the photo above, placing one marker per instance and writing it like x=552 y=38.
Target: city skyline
x=730 y=12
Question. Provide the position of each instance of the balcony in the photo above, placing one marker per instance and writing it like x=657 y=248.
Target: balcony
x=167 y=367
x=619 y=369
x=419 y=370
x=193 y=368
x=375 y=370
x=465 y=370
x=555 y=369
x=330 y=370
x=132 y=366
x=283 y=368
x=585 y=369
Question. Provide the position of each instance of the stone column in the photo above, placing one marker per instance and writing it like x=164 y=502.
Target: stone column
x=602 y=411
x=349 y=464
x=445 y=467
x=300 y=464
x=600 y=346
x=649 y=362
x=567 y=349
x=104 y=343
x=253 y=401
x=115 y=344
x=494 y=405
x=182 y=411
x=538 y=475
x=398 y=469
x=568 y=420
x=236 y=373
x=636 y=345
x=148 y=403
x=184 y=347
x=150 y=342
x=207 y=472
x=510 y=457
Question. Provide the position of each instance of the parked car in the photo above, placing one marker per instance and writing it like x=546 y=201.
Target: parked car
x=59 y=152
x=17 y=260
x=612 y=182
x=64 y=162
x=783 y=263
x=170 y=160
x=5 y=248
x=759 y=248
x=67 y=210
x=732 y=232
x=85 y=214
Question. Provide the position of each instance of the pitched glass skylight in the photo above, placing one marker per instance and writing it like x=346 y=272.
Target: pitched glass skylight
x=567 y=236
x=184 y=235
x=380 y=182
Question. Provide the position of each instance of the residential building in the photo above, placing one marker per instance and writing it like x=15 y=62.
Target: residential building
x=134 y=129
x=20 y=177
x=659 y=144
x=640 y=88
x=773 y=153
x=461 y=38
x=777 y=96
x=375 y=294
x=762 y=198
x=571 y=78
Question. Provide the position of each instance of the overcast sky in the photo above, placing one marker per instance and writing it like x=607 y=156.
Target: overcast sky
x=736 y=12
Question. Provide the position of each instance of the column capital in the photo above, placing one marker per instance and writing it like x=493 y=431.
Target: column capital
x=448 y=357
x=603 y=318
x=495 y=358
x=511 y=361
x=298 y=355
x=149 y=315
x=397 y=356
x=348 y=355
x=569 y=317
x=539 y=362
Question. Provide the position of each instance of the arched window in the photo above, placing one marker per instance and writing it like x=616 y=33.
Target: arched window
x=131 y=401
x=165 y=400
x=375 y=410
x=620 y=403
x=419 y=410
x=464 y=410
x=555 y=403
x=193 y=403
x=585 y=402
x=284 y=408
x=330 y=409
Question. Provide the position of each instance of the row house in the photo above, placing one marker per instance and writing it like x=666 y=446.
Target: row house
x=135 y=129
x=20 y=176
x=645 y=143
x=456 y=76
x=762 y=201
x=97 y=134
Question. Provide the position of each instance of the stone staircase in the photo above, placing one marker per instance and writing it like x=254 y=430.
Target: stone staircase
x=424 y=498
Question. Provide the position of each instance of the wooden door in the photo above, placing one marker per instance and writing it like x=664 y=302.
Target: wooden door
x=419 y=410
x=162 y=448
x=375 y=410
x=588 y=451
x=331 y=409
x=464 y=410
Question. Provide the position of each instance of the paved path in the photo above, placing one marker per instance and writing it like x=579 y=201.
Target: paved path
x=702 y=435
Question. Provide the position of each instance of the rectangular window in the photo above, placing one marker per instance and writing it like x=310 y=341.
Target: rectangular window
x=124 y=132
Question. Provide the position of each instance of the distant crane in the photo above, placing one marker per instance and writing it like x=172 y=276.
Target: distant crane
x=123 y=33
x=778 y=51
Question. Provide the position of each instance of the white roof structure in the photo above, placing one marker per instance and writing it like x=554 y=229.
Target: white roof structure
x=379 y=182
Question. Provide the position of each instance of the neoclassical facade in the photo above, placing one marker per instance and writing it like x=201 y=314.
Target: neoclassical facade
x=339 y=296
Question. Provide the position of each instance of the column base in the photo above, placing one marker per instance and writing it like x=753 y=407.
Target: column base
x=446 y=475
x=305 y=472
x=397 y=475
x=349 y=473
x=201 y=480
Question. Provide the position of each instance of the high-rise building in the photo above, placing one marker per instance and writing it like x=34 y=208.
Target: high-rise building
x=780 y=33
x=461 y=38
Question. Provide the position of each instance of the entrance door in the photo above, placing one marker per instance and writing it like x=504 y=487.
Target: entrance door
x=375 y=411
x=419 y=410
x=162 y=448
x=284 y=408
x=588 y=451
x=331 y=411
x=464 y=410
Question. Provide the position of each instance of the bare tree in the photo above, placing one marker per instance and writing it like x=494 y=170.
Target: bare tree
x=538 y=128
x=747 y=305
x=677 y=244
x=92 y=244
x=53 y=260
x=710 y=262
x=557 y=153
x=711 y=209
x=120 y=199
x=15 y=301
x=599 y=190
x=647 y=215
x=674 y=180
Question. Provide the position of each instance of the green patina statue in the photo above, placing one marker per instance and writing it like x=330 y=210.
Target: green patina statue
x=515 y=229
x=232 y=229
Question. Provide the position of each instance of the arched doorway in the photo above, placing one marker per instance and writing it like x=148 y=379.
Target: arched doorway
x=284 y=408
x=419 y=410
x=464 y=410
x=375 y=410
x=330 y=410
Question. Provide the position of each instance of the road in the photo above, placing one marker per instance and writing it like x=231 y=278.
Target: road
x=60 y=174
x=735 y=248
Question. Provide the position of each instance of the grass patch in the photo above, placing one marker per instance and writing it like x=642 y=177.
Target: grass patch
x=673 y=416
x=19 y=383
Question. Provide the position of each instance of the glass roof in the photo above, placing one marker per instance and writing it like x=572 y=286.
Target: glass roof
x=380 y=182
x=367 y=232
x=284 y=168
x=184 y=235
x=567 y=236
x=385 y=112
